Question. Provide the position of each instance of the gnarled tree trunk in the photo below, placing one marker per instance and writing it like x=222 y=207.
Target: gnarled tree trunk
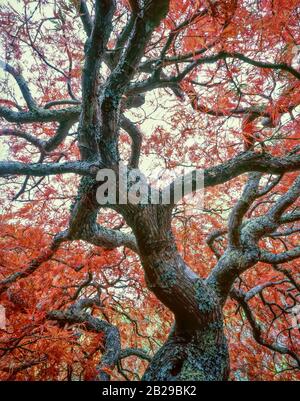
x=196 y=348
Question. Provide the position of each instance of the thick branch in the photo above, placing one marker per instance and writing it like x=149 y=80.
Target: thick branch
x=61 y=133
x=85 y=18
x=40 y=115
x=249 y=194
x=61 y=102
x=145 y=22
x=136 y=138
x=212 y=238
x=108 y=238
x=44 y=169
x=94 y=50
x=278 y=258
x=242 y=163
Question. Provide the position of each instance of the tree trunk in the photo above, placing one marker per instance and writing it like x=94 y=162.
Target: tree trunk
x=196 y=348
x=199 y=355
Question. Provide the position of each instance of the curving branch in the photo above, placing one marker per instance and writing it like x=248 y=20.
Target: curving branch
x=243 y=251
x=278 y=258
x=35 y=263
x=21 y=83
x=60 y=135
x=85 y=17
x=287 y=274
x=44 y=146
x=24 y=135
x=108 y=238
x=94 y=49
x=290 y=217
x=225 y=55
x=96 y=235
x=257 y=330
x=136 y=140
x=61 y=102
x=249 y=194
x=83 y=225
x=267 y=224
x=285 y=200
x=259 y=288
x=140 y=353
x=212 y=238
x=145 y=21
x=111 y=346
x=244 y=162
x=260 y=64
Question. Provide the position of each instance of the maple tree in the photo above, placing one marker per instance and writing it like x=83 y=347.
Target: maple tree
x=152 y=292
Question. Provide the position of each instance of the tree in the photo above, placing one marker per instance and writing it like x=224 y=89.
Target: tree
x=81 y=83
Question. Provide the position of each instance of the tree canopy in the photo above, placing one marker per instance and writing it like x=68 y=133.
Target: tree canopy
x=126 y=292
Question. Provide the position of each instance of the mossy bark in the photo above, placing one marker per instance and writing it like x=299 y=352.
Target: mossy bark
x=198 y=356
x=196 y=348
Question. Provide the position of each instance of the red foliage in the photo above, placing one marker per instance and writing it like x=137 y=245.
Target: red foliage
x=202 y=127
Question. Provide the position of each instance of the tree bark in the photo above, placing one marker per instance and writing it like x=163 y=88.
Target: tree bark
x=196 y=348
